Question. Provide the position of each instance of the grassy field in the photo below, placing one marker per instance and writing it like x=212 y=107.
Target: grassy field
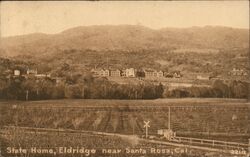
x=131 y=103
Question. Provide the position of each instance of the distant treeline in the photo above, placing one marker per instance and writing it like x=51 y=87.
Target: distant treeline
x=87 y=87
x=219 y=89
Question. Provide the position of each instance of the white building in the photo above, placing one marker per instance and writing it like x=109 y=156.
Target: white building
x=101 y=72
x=42 y=75
x=17 y=72
x=30 y=72
x=115 y=73
x=167 y=133
x=130 y=72
x=160 y=74
x=203 y=77
x=104 y=73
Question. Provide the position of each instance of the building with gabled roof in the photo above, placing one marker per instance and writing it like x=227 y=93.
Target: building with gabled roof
x=115 y=73
x=101 y=72
x=153 y=73
x=130 y=72
x=31 y=72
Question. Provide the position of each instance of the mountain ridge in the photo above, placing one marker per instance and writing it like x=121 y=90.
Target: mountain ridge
x=125 y=38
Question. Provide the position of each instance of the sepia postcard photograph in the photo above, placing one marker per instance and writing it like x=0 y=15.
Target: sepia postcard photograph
x=124 y=79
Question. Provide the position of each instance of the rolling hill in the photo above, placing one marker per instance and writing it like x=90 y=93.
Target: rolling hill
x=209 y=49
x=126 y=38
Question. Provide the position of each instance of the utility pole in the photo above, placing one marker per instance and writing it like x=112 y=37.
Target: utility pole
x=83 y=92
x=146 y=125
x=134 y=122
x=107 y=63
x=169 y=118
x=27 y=95
x=248 y=75
x=133 y=127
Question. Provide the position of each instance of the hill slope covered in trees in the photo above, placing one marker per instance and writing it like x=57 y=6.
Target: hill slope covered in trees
x=126 y=38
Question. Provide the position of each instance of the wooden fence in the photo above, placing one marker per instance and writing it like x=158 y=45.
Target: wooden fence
x=211 y=143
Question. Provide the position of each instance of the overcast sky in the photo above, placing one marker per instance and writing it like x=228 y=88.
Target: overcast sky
x=53 y=17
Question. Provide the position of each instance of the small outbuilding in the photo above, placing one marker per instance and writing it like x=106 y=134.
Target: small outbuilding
x=167 y=133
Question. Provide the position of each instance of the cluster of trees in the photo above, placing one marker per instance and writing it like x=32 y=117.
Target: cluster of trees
x=88 y=88
x=20 y=88
x=219 y=89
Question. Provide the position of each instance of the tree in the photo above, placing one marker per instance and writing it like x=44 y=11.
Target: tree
x=221 y=88
x=159 y=90
x=73 y=91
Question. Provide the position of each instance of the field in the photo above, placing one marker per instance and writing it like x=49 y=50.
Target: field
x=196 y=116
x=219 y=119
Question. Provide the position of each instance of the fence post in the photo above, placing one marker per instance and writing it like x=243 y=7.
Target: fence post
x=213 y=143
